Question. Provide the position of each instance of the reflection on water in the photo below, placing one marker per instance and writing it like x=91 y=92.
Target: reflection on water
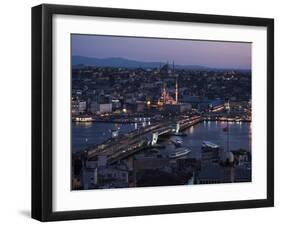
x=239 y=136
x=86 y=134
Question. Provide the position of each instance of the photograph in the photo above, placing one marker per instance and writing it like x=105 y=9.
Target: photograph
x=148 y=111
x=145 y=112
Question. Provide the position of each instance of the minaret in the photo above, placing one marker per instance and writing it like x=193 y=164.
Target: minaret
x=177 y=87
x=228 y=111
x=164 y=93
x=177 y=91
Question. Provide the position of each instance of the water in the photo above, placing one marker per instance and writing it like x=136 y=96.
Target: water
x=92 y=133
x=86 y=134
x=239 y=136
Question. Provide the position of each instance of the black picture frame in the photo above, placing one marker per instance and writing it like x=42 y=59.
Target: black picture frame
x=42 y=111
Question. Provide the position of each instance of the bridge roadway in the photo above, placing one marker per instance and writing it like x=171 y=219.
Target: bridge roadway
x=126 y=145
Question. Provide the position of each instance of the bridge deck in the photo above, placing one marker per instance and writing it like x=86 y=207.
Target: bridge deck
x=117 y=149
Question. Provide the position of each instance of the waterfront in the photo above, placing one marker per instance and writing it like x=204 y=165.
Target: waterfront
x=89 y=134
x=138 y=122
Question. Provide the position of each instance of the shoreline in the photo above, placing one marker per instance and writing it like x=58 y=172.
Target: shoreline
x=201 y=121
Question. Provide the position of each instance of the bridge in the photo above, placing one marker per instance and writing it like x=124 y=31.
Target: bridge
x=126 y=145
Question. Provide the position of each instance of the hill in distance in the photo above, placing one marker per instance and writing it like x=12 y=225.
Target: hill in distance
x=125 y=63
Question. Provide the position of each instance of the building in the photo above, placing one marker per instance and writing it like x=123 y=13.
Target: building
x=105 y=108
x=82 y=106
x=214 y=174
x=78 y=107
x=243 y=174
x=97 y=174
x=90 y=178
x=177 y=108
x=150 y=163
x=94 y=107
x=74 y=107
x=113 y=176
x=140 y=106
x=242 y=157
x=116 y=104
x=210 y=153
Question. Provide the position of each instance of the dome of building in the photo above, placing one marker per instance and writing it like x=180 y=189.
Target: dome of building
x=228 y=157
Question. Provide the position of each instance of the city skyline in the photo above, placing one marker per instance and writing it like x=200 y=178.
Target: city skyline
x=137 y=124
x=215 y=54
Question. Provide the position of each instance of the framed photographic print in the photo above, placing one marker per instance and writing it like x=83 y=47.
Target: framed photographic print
x=146 y=112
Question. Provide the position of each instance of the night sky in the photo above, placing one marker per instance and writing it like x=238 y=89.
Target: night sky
x=182 y=52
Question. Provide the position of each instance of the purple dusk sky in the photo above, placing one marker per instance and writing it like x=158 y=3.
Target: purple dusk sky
x=183 y=52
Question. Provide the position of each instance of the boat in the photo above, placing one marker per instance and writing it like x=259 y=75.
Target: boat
x=208 y=144
x=83 y=119
x=177 y=141
x=180 y=152
x=114 y=133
